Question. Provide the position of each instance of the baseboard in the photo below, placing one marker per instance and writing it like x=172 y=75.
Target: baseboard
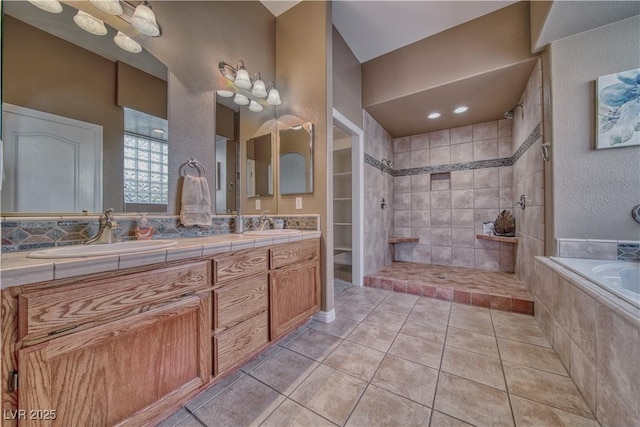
x=325 y=316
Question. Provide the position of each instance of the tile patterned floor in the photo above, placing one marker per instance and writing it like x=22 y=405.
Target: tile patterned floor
x=493 y=289
x=394 y=359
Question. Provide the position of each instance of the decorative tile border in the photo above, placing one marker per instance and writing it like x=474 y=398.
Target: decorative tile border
x=598 y=249
x=36 y=233
x=478 y=164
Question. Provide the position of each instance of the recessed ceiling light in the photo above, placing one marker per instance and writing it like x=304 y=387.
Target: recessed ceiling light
x=434 y=115
x=160 y=131
x=460 y=109
x=225 y=93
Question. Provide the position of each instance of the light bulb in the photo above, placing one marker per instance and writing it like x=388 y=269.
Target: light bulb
x=51 y=6
x=274 y=97
x=460 y=109
x=126 y=43
x=224 y=93
x=111 y=7
x=240 y=99
x=433 y=115
x=259 y=89
x=144 y=20
x=242 y=79
x=255 y=107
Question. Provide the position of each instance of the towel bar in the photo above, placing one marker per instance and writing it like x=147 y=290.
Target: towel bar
x=192 y=163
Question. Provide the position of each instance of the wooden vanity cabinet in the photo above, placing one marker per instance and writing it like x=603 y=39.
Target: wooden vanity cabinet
x=111 y=348
x=294 y=288
x=240 y=307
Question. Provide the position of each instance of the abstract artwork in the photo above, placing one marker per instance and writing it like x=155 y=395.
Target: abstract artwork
x=618 y=97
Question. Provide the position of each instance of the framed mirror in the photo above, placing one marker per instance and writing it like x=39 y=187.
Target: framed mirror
x=227 y=185
x=58 y=76
x=259 y=166
x=296 y=159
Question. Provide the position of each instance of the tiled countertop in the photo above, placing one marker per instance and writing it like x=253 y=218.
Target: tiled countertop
x=16 y=269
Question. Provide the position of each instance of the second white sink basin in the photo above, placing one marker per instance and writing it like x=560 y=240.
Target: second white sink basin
x=76 y=251
x=283 y=232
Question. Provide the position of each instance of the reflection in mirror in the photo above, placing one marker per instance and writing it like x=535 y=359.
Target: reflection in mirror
x=296 y=159
x=52 y=67
x=227 y=186
x=259 y=166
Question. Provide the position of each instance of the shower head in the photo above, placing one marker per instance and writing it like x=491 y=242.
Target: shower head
x=509 y=114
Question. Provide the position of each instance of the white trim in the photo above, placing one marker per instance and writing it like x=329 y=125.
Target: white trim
x=357 y=182
x=325 y=316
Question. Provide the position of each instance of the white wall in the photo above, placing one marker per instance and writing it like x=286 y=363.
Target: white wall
x=594 y=190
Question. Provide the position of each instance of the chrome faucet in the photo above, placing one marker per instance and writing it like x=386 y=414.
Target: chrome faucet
x=264 y=222
x=105 y=232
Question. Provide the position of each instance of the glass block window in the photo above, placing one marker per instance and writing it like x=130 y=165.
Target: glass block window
x=145 y=170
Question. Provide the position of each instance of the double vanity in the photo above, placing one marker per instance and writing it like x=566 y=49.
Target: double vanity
x=126 y=338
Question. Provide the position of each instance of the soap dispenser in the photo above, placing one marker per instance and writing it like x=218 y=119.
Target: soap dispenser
x=238 y=223
x=144 y=231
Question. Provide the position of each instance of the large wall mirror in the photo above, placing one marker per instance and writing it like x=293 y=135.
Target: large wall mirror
x=296 y=159
x=92 y=113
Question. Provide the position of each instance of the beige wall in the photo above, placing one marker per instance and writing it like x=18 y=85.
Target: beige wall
x=303 y=37
x=488 y=43
x=594 y=190
x=347 y=81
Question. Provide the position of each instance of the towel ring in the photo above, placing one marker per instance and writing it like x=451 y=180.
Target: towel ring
x=192 y=163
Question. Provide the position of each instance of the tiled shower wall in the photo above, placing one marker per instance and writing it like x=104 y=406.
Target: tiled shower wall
x=447 y=211
x=378 y=185
x=528 y=176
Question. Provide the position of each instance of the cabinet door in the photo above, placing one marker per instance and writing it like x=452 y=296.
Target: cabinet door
x=126 y=371
x=294 y=294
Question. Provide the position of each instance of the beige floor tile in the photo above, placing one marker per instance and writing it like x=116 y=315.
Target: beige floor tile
x=471 y=318
x=425 y=330
x=342 y=299
x=314 y=344
x=355 y=359
x=378 y=407
x=411 y=380
x=530 y=355
x=352 y=311
x=472 y=366
x=431 y=310
x=385 y=319
x=330 y=393
x=292 y=414
x=339 y=327
x=529 y=413
x=543 y=387
x=264 y=355
x=367 y=300
x=205 y=396
x=509 y=318
x=472 y=402
x=293 y=334
x=393 y=306
x=372 y=337
x=285 y=370
x=406 y=299
x=439 y=419
x=246 y=403
x=417 y=350
x=527 y=333
x=189 y=422
x=472 y=341
x=176 y=418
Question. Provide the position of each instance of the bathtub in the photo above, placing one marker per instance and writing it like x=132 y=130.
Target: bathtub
x=621 y=278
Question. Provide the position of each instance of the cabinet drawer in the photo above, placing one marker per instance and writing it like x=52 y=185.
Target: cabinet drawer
x=239 y=264
x=290 y=253
x=238 y=300
x=235 y=345
x=44 y=312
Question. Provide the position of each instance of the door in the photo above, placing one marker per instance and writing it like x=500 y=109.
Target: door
x=123 y=371
x=51 y=163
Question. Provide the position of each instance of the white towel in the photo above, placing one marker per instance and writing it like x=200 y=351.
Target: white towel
x=196 y=202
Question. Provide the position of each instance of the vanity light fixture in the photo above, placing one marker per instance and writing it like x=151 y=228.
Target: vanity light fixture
x=460 y=109
x=51 y=6
x=274 y=96
x=124 y=42
x=89 y=23
x=259 y=89
x=242 y=78
x=112 y=7
x=240 y=99
x=255 y=107
x=434 y=115
x=144 y=20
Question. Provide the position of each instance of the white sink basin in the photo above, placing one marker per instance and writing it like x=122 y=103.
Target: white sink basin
x=283 y=232
x=76 y=251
